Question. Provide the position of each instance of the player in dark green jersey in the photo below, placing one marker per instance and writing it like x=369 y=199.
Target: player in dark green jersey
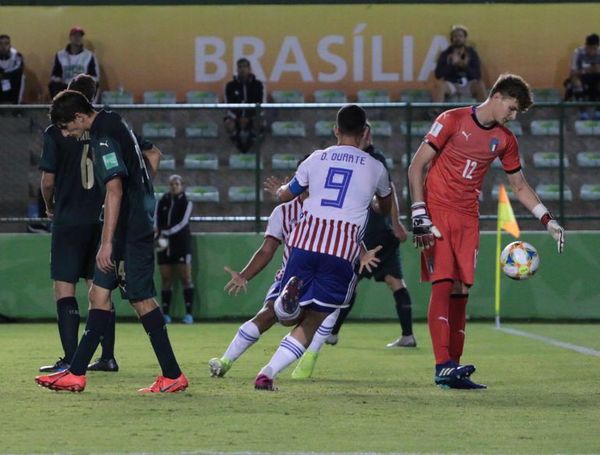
x=74 y=202
x=125 y=257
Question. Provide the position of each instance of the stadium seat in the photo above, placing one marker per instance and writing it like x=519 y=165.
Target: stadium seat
x=167 y=163
x=202 y=193
x=287 y=96
x=201 y=130
x=381 y=128
x=590 y=192
x=159 y=190
x=546 y=95
x=548 y=160
x=545 y=127
x=285 y=160
x=330 y=96
x=373 y=96
x=242 y=194
x=516 y=127
x=420 y=128
x=415 y=96
x=509 y=191
x=588 y=159
x=201 y=97
x=551 y=192
x=324 y=128
x=587 y=127
x=243 y=161
x=158 y=130
x=110 y=98
x=159 y=97
x=201 y=161
x=288 y=129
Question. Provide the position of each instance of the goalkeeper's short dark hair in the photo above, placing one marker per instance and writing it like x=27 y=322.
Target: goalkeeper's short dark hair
x=513 y=86
x=351 y=120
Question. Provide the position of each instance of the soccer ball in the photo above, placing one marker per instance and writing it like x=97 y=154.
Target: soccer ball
x=519 y=260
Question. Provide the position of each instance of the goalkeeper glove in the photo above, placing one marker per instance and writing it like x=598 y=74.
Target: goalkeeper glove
x=556 y=230
x=424 y=232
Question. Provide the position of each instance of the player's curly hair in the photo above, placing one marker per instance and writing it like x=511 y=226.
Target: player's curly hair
x=513 y=86
x=351 y=120
x=66 y=105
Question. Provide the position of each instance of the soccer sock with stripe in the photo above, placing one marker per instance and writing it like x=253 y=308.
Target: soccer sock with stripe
x=108 y=340
x=404 y=310
x=457 y=318
x=288 y=351
x=344 y=312
x=94 y=330
x=188 y=299
x=154 y=325
x=245 y=337
x=165 y=299
x=67 y=311
x=323 y=332
x=437 y=320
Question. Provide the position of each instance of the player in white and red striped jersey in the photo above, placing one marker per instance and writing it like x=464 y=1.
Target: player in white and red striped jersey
x=325 y=243
x=281 y=222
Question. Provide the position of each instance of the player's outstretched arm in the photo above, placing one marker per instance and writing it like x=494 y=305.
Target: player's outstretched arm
x=153 y=156
x=399 y=230
x=424 y=232
x=260 y=259
x=529 y=198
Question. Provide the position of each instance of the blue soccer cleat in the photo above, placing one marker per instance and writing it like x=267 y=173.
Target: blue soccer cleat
x=462 y=383
x=446 y=372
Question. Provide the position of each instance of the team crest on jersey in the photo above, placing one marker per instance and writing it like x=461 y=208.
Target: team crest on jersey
x=494 y=144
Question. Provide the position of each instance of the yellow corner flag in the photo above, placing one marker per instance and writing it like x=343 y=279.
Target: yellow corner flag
x=506 y=216
x=508 y=222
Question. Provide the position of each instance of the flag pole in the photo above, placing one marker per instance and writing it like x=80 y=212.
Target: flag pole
x=497 y=298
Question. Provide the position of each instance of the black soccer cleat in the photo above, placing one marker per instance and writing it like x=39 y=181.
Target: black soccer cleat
x=462 y=383
x=60 y=365
x=446 y=372
x=101 y=364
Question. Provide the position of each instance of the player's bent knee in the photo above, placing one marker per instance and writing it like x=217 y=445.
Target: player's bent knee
x=99 y=298
x=143 y=307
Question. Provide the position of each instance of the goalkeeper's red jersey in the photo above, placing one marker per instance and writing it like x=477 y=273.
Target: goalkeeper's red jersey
x=465 y=151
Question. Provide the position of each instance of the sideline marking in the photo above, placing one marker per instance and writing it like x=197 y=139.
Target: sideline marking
x=552 y=341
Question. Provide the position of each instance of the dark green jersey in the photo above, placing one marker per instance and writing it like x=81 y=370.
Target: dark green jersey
x=117 y=153
x=78 y=199
x=376 y=222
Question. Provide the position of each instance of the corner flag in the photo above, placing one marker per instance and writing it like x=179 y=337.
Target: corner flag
x=506 y=216
x=508 y=222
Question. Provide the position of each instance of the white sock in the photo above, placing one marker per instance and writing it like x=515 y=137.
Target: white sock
x=323 y=332
x=245 y=337
x=289 y=350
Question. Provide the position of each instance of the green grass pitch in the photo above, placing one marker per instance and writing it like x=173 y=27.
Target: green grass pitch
x=363 y=397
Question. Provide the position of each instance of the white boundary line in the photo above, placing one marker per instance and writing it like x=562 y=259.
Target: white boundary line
x=552 y=341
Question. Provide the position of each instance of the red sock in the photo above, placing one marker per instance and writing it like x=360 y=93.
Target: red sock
x=437 y=319
x=457 y=321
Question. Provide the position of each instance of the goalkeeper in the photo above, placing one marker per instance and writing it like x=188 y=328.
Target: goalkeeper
x=456 y=154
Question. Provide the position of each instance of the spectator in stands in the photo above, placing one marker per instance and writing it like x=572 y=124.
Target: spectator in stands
x=174 y=245
x=584 y=81
x=458 y=70
x=11 y=72
x=241 y=124
x=71 y=61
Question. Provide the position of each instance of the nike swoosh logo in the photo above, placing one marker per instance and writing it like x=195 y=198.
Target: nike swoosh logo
x=169 y=387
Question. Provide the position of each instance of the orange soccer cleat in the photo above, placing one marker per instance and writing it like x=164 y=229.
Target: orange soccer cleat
x=63 y=380
x=166 y=385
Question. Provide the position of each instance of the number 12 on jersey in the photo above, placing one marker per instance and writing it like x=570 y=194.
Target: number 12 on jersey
x=337 y=179
x=469 y=169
